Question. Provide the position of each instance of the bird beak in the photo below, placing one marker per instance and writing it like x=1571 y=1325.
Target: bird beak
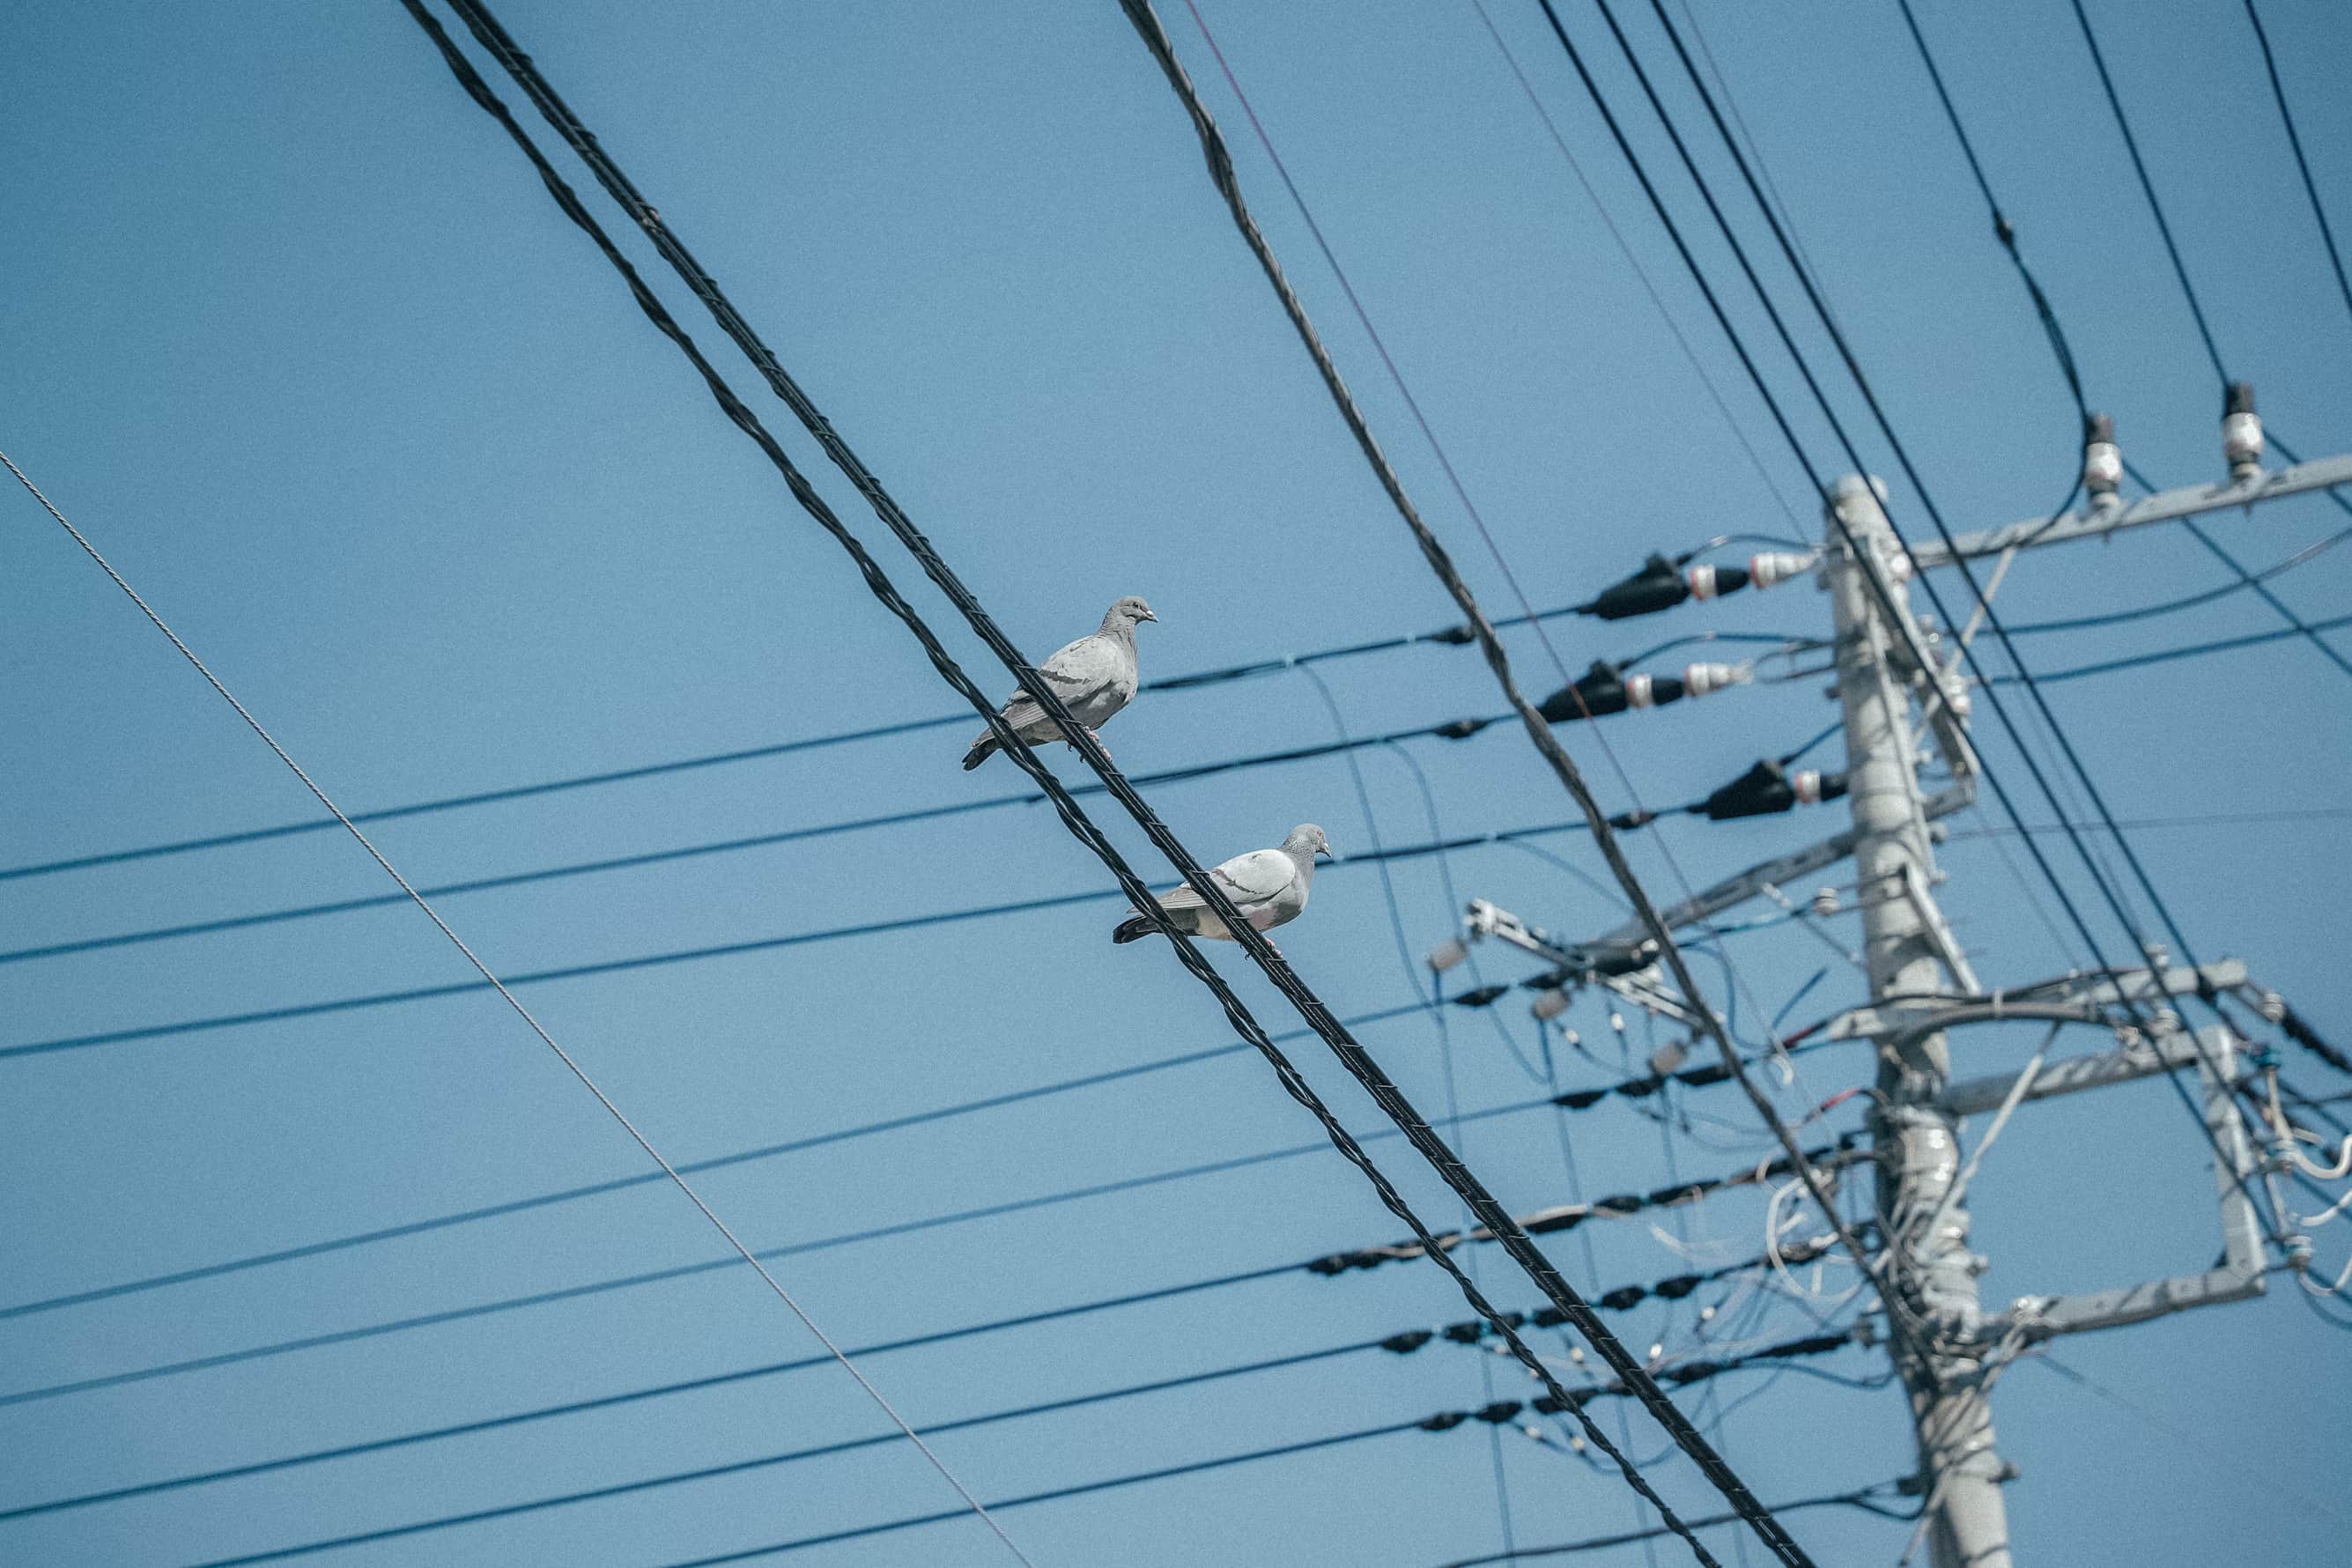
x=1148 y=615
x=1329 y=853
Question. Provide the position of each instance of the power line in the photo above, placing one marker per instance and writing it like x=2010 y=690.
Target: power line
x=1633 y=261
x=2147 y=188
x=2303 y=556
x=2004 y=230
x=693 y=1167
x=1449 y=637
x=1575 y=1100
x=2164 y=656
x=2249 y=580
x=1284 y=1450
x=1405 y=1343
x=1623 y=1298
x=491 y=980
x=1457 y=729
x=2301 y=164
x=1220 y=171
x=2209 y=819
x=792 y=1455
x=1358 y=1064
x=1437 y=1247
x=1862 y=1497
x=661 y=960
x=714 y=1265
x=1497 y=1414
x=1453 y=730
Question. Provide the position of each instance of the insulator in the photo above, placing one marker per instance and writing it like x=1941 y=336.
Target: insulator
x=1604 y=690
x=1778 y=565
x=1656 y=586
x=1826 y=901
x=1766 y=788
x=1669 y=1056
x=1698 y=680
x=1549 y=1004
x=2103 y=460
x=1448 y=955
x=1714 y=581
x=2241 y=432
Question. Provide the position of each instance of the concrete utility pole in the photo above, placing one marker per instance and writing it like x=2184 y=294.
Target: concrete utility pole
x=1906 y=949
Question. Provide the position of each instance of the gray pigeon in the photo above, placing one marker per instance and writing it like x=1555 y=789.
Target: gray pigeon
x=1095 y=677
x=1269 y=886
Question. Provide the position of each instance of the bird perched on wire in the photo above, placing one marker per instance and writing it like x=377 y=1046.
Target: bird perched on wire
x=1269 y=886
x=1095 y=677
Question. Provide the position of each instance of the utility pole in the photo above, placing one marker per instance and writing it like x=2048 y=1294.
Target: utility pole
x=1947 y=1350
x=1906 y=949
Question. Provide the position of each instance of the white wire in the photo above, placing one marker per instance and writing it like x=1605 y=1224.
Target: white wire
x=2009 y=1104
x=2342 y=1166
x=2323 y=1216
x=2336 y=1289
x=520 y=1011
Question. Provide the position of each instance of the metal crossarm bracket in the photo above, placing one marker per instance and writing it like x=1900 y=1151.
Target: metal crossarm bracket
x=2163 y=507
x=2238 y=1277
x=2086 y=991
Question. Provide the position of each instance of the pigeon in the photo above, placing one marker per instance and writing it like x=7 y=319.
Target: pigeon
x=1269 y=888
x=1095 y=677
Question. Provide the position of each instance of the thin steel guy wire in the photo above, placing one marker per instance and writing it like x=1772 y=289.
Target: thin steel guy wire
x=521 y=1012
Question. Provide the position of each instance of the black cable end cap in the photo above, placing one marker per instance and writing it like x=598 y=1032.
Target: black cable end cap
x=1502 y=1410
x=1454 y=635
x=2239 y=398
x=1623 y=1299
x=1444 y=1421
x=1462 y=729
x=1484 y=997
x=1407 y=1342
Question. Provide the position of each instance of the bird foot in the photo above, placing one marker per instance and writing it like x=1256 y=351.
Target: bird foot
x=1098 y=740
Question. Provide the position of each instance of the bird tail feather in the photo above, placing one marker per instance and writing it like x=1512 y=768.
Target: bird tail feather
x=981 y=752
x=1135 y=928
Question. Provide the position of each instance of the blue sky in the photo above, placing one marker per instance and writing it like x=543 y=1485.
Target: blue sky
x=298 y=338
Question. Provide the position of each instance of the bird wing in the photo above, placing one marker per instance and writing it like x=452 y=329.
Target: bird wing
x=1077 y=672
x=1249 y=880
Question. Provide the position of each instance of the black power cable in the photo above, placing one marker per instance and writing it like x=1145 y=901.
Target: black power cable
x=1449 y=637
x=2301 y=164
x=1220 y=173
x=1681 y=1374
x=643 y=960
x=1575 y=1100
x=1561 y=1218
x=1623 y=1298
x=1351 y=1055
x=1863 y=1498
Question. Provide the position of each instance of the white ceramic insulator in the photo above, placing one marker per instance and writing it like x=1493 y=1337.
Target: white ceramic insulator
x=1808 y=785
x=1448 y=955
x=1667 y=1057
x=1549 y=1004
x=1701 y=579
x=1778 y=566
x=2241 y=440
x=2102 y=468
x=1638 y=691
x=1698 y=680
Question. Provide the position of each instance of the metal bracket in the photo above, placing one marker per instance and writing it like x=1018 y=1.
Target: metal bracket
x=2088 y=991
x=2239 y=1276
